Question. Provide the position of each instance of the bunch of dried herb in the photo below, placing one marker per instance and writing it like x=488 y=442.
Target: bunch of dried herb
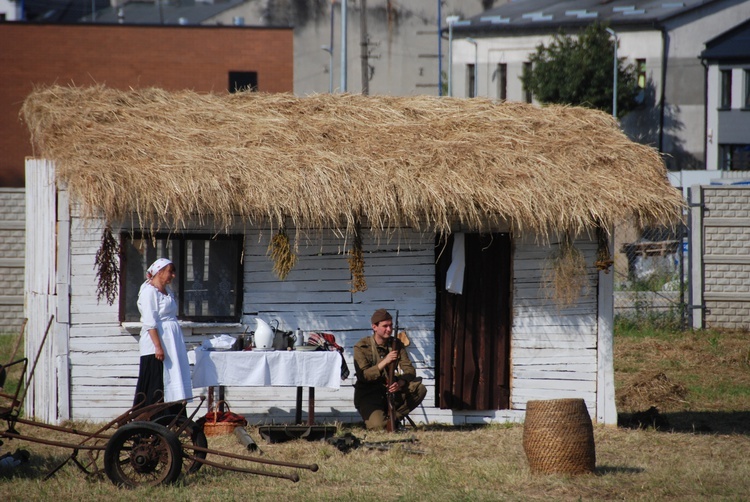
x=107 y=267
x=281 y=253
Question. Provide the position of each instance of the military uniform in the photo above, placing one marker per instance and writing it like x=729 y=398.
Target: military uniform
x=370 y=389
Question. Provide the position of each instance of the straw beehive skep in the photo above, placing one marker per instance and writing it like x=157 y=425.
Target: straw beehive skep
x=327 y=160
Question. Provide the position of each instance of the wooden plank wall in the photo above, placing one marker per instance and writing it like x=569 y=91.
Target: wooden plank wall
x=316 y=297
x=553 y=350
x=40 y=290
x=103 y=356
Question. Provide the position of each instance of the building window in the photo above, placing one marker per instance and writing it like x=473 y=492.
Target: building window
x=726 y=89
x=502 y=81
x=734 y=157
x=243 y=81
x=747 y=88
x=471 y=75
x=208 y=283
x=527 y=92
x=640 y=68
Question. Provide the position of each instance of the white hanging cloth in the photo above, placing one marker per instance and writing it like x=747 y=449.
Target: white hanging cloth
x=454 y=278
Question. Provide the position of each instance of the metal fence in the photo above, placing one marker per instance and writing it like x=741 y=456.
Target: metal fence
x=651 y=275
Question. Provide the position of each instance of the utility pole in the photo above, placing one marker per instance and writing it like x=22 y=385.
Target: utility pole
x=440 y=46
x=344 y=44
x=450 y=20
x=329 y=49
x=614 y=73
x=475 y=90
x=363 y=48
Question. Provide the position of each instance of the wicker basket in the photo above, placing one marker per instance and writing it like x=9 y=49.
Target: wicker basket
x=558 y=437
x=217 y=425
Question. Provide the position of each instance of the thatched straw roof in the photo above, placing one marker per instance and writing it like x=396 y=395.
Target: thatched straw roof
x=328 y=160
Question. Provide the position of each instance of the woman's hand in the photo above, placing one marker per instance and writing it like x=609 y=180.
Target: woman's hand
x=158 y=349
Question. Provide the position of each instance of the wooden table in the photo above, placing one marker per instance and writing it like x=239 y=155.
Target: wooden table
x=282 y=368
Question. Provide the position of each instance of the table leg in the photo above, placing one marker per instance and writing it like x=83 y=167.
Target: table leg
x=221 y=397
x=311 y=406
x=298 y=409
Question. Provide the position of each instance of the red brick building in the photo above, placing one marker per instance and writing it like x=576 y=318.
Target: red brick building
x=201 y=58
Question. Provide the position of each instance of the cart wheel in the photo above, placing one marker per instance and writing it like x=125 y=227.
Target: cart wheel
x=143 y=453
x=193 y=434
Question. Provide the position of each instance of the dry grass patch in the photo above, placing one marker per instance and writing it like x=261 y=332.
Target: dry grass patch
x=482 y=463
x=696 y=380
x=485 y=463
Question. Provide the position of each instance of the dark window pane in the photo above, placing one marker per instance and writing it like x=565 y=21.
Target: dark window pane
x=725 y=158
x=502 y=81
x=470 y=80
x=734 y=157
x=741 y=158
x=640 y=65
x=208 y=274
x=243 y=81
x=726 y=88
x=527 y=97
x=139 y=253
x=211 y=279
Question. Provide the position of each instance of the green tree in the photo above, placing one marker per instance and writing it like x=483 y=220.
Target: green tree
x=578 y=71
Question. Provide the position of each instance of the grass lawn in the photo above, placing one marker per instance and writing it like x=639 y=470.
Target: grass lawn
x=699 y=449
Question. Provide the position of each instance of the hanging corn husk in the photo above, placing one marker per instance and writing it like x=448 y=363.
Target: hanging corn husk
x=357 y=262
x=107 y=267
x=281 y=253
x=565 y=273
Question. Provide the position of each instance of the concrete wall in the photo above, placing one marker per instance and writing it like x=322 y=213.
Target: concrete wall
x=12 y=247
x=124 y=56
x=721 y=265
x=403 y=41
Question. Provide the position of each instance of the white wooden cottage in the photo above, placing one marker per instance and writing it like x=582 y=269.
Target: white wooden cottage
x=482 y=353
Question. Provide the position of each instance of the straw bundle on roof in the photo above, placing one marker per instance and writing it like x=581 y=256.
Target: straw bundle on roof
x=331 y=160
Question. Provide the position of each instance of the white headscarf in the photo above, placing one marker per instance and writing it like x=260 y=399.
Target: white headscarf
x=156 y=266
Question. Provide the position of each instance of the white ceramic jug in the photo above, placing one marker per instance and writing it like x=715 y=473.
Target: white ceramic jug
x=299 y=338
x=263 y=334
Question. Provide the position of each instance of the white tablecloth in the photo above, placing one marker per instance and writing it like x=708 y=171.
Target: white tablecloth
x=279 y=368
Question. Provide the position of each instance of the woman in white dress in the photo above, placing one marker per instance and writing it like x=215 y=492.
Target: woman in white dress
x=164 y=367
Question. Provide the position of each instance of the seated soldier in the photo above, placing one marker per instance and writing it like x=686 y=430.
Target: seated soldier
x=372 y=355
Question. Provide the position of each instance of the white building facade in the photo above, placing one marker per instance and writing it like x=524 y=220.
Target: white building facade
x=9 y=10
x=663 y=41
x=403 y=43
x=727 y=59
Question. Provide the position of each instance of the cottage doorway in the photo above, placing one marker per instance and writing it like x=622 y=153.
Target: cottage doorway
x=473 y=328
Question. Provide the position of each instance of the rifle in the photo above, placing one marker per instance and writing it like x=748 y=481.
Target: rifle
x=391 y=425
